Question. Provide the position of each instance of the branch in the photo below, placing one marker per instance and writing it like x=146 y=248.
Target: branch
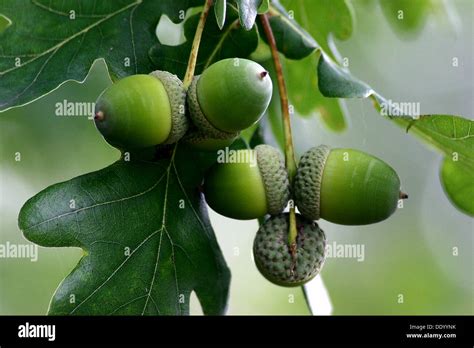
x=188 y=78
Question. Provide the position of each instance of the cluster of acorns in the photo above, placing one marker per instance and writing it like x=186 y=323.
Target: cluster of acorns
x=344 y=186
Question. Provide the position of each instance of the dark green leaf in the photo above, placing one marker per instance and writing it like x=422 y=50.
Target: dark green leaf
x=335 y=82
x=220 y=9
x=146 y=238
x=291 y=39
x=458 y=183
x=248 y=10
x=216 y=44
x=49 y=42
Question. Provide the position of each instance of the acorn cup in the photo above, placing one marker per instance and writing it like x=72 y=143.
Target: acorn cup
x=252 y=184
x=229 y=96
x=202 y=142
x=345 y=186
x=140 y=111
x=274 y=258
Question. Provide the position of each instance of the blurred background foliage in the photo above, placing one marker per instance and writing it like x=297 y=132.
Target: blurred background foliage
x=411 y=254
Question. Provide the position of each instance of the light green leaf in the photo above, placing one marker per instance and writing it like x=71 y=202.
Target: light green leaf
x=143 y=252
x=335 y=82
x=453 y=135
x=4 y=23
x=323 y=19
x=264 y=7
x=220 y=9
x=406 y=16
x=302 y=80
x=291 y=39
x=458 y=183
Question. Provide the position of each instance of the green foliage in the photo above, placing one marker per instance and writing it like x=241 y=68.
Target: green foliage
x=146 y=238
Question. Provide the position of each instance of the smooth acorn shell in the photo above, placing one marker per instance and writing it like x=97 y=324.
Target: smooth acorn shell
x=233 y=94
x=272 y=253
x=134 y=112
x=250 y=188
x=355 y=188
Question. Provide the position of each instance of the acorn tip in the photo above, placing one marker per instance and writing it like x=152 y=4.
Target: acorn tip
x=99 y=116
x=403 y=195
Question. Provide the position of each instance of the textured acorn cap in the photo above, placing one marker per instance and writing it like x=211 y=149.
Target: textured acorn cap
x=177 y=97
x=199 y=119
x=272 y=253
x=203 y=142
x=275 y=177
x=307 y=184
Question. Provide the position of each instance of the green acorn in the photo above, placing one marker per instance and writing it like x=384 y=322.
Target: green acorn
x=345 y=186
x=230 y=95
x=273 y=256
x=248 y=184
x=140 y=111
